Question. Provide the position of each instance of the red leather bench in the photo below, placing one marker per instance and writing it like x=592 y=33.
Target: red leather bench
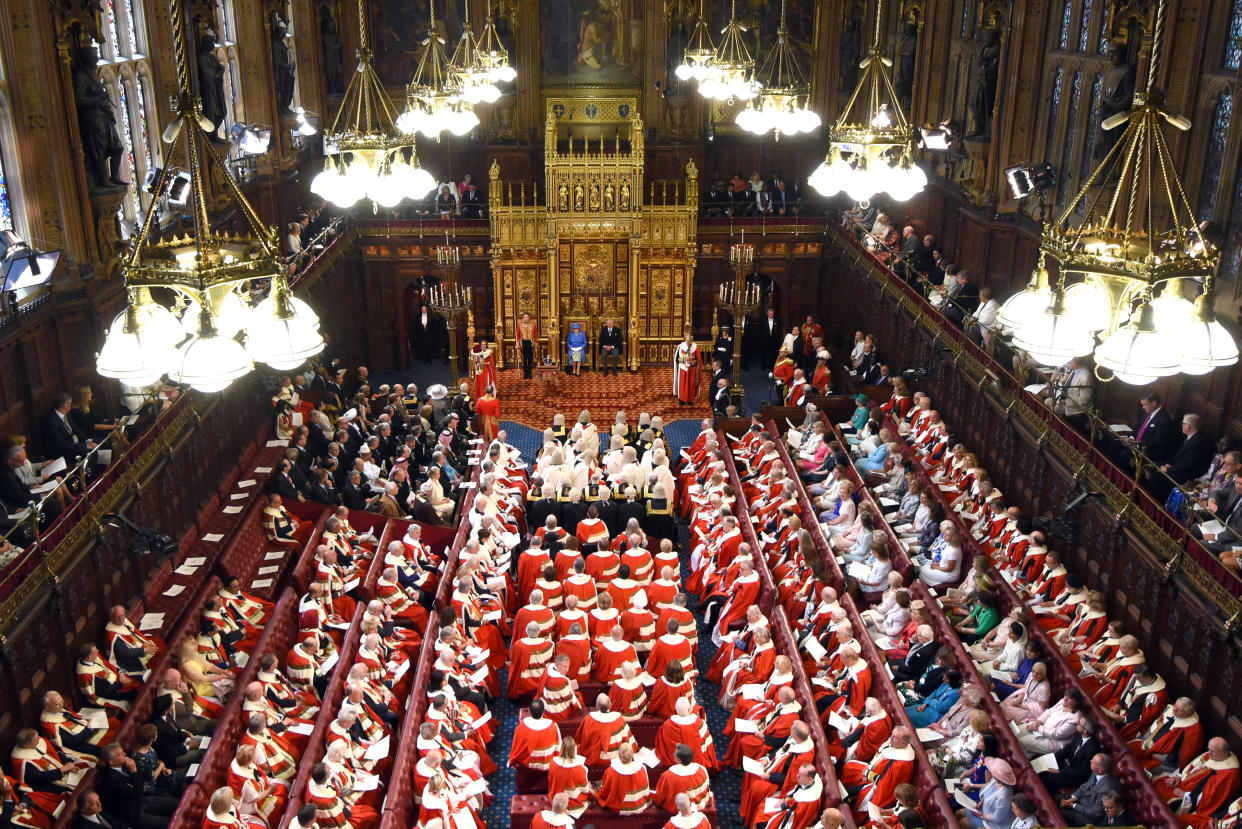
x=524 y=807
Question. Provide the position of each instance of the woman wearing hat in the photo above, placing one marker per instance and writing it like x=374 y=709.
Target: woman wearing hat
x=995 y=797
x=575 y=344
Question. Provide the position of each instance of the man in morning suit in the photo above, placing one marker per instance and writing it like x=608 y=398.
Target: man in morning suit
x=60 y=439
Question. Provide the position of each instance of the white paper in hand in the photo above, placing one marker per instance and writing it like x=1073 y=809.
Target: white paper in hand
x=745 y=727
x=378 y=750
x=752 y=766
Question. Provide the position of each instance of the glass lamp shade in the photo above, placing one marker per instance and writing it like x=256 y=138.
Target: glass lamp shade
x=1051 y=339
x=862 y=184
x=908 y=181
x=821 y=178
x=233 y=316
x=1172 y=313
x=1088 y=304
x=156 y=320
x=137 y=359
x=479 y=91
x=389 y=187
x=1023 y=306
x=685 y=72
x=1206 y=345
x=333 y=185
x=211 y=363
x=283 y=344
x=1137 y=356
x=752 y=120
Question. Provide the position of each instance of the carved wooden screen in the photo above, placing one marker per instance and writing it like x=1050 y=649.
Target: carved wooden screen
x=523 y=280
x=664 y=285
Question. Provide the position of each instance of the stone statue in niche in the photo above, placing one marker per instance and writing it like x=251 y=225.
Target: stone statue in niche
x=983 y=96
x=625 y=195
x=211 y=83
x=97 y=122
x=579 y=197
x=562 y=197
x=850 y=54
x=282 y=65
x=610 y=201
x=333 y=55
x=1116 y=95
x=594 y=196
x=905 y=63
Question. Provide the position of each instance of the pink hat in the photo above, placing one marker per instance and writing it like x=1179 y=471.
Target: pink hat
x=1001 y=770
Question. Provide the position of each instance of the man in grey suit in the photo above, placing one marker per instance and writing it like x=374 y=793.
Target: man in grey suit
x=1086 y=805
x=1227 y=504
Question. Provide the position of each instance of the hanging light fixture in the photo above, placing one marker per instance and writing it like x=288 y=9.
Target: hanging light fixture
x=491 y=57
x=1137 y=234
x=871 y=146
x=473 y=79
x=205 y=270
x=1031 y=300
x=369 y=157
x=729 y=72
x=696 y=60
x=434 y=103
x=784 y=93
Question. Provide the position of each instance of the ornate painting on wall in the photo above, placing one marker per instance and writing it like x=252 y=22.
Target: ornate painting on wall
x=591 y=42
x=398 y=28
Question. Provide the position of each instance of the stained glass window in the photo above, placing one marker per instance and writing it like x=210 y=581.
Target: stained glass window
x=127 y=136
x=131 y=17
x=1089 y=148
x=1233 y=38
x=1066 y=11
x=1084 y=28
x=6 y=210
x=1054 y=108
x=1214 y=157
x=144 y=129
x=114 y=39
x=1071 y=128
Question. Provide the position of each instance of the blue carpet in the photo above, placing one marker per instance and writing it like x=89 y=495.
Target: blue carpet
x=504 y=782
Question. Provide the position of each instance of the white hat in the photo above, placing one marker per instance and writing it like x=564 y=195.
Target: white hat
x=437 y=392
x=350 y=415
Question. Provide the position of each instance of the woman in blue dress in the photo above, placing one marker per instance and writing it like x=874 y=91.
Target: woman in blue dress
x=576 y=343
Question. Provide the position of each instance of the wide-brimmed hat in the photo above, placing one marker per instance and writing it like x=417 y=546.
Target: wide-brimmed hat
x=1001 y=770
x=437 y=392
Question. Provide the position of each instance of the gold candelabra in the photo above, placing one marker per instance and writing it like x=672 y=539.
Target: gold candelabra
x=452 y=301
x=739 y=299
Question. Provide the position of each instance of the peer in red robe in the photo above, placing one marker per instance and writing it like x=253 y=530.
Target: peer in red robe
x=527 y=658
x=625 y=788
x=487 y=408
x=568 y=775
x=611 y=654
x=602 y=733
x=874 y=782
x=1208 y=784
x=1176 y=735
x=799 y=807
x=536 y=740
x=686 y=728
x=686 y=361
x=628 y=695
x=782 y=764
x=558 y=817
x=556 y=690
x=684 y=776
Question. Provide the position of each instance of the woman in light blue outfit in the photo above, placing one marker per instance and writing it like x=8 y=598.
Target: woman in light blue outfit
x=936 y=704
x=861 y=549
x=995 y=797
x=874 y=462
x=576 y=343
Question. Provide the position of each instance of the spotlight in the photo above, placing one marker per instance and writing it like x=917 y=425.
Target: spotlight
x=303 y=127
x=938 y=138
x=21 y=266
x=179 y=189
x=251 y=139
x=152 y=181
x=1023 y=180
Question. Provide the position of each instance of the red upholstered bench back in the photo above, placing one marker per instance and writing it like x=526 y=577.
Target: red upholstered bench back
x=304 y=570
x=767 y=590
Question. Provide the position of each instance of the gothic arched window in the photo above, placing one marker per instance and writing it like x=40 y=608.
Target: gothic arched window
x=1214 y=156
x=1066 y=12
x=1054 y=108
x=1084 y=26
x=1233 y=38
x=1092 y=132
x=1071 y=128
x=226 y=53
x=127 y=138
x=6 y=209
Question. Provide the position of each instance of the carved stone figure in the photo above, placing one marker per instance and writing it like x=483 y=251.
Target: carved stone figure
x=282 y=65
x=850 y=54
x=983 y=96
x=333 y=56
x=594 y=196
x=579 y=197
x=97 y=122
x=211 y=83
x=625 y=195
x=1116 y=95
x=609 y=197
x=562 y=197
x=905 y=63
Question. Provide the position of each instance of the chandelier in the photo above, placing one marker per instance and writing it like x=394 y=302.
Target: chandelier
x=219 y=336
x=491 y=58
x=368 y=157
x=696 y=60
x=783 y=95
x=434 y=103
x=871 y=146
x=475 y=81
x=729 y=71
x=1137 y=237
